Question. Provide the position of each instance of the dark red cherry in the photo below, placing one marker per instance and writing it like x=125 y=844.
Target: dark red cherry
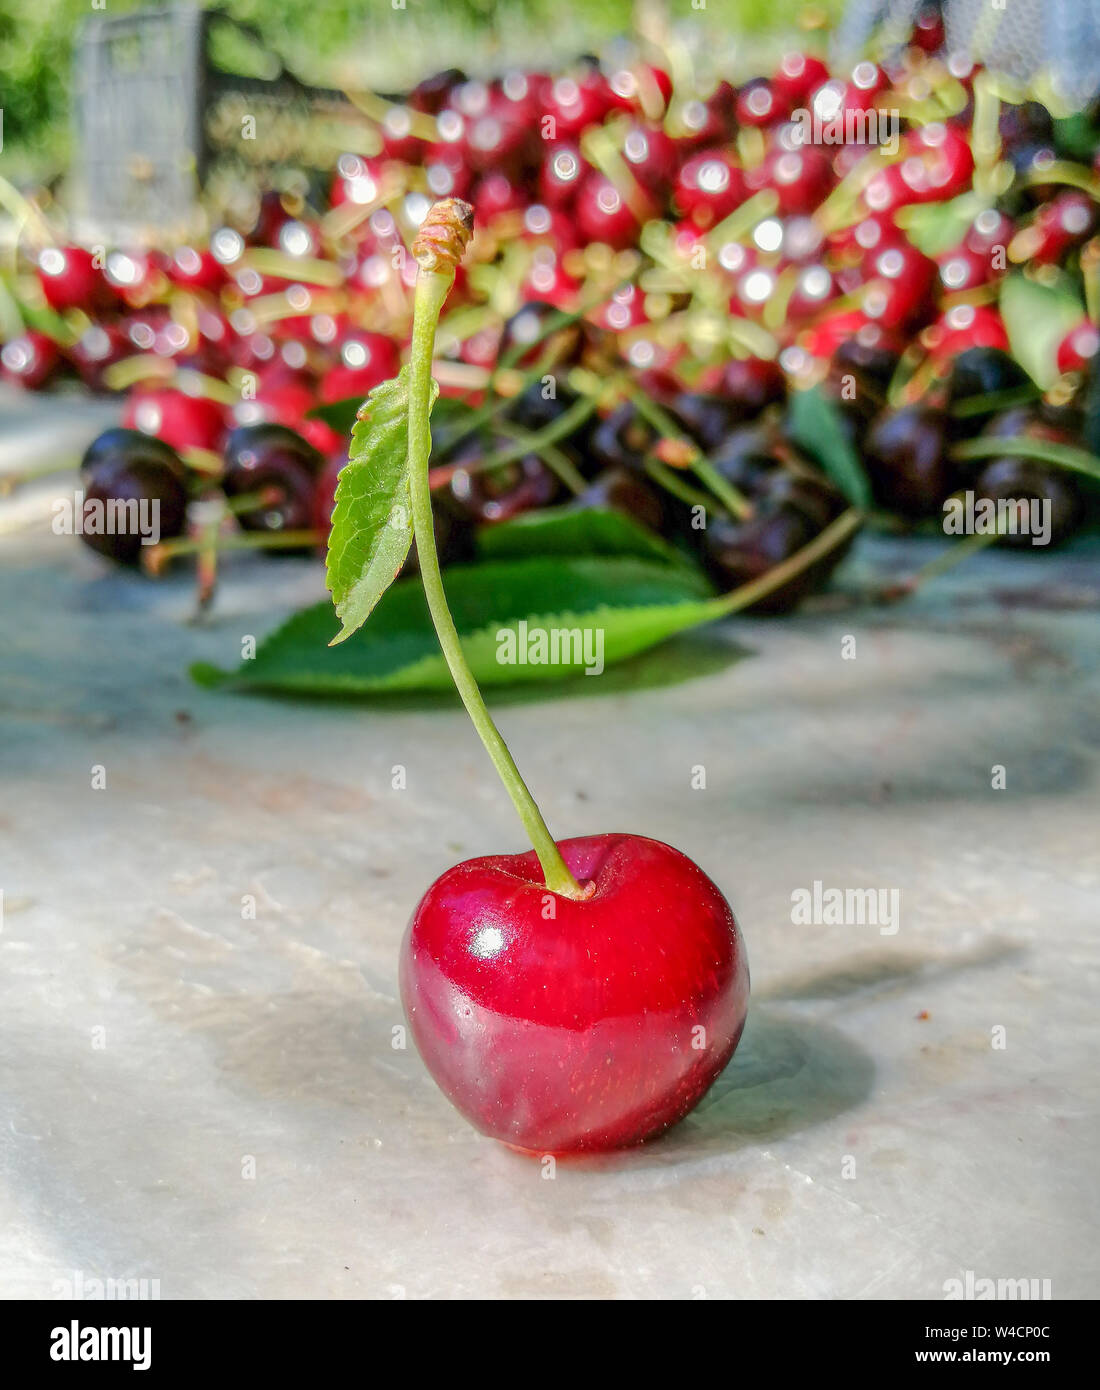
x=620 y=490
x=279 y=466
x=485 y=496
x=1013 y=479
x=133 y=496
x=907 y=460
x=592 y=1026
x=650 y=155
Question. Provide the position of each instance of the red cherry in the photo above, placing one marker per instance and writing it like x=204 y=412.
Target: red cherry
x=965 y=326
x=650 y=155
x=185 y=422
x=801 y=178
x=592 y=1027
x=641 y=88
x=603 y=215
x=1060 y=224
x=899 y=288
x=70 y=279
x=928 y=31
x=195 y=269
x=709 y=187
x=989 y=231
x=574 y=104
x=862 y=90
x=446 y=171
x=495 y=194
x=964 y=269
x=99 y=347
x=797 y=77
x=561 y=174
x=1079 y=347
x=366 y=359
x=547 y=281
x=758 y=104
x=30 y=359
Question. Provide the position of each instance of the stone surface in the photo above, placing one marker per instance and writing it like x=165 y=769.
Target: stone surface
x=214 y=1102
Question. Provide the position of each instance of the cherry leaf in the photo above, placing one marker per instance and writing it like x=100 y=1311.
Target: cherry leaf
x=372 y=527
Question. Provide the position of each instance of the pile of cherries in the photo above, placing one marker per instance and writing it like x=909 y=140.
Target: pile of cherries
x=679 y=261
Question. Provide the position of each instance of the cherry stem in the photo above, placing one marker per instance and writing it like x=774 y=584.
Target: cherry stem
x=432 y=288
x=833 y=535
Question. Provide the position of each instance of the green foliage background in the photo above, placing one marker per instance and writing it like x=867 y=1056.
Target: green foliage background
x=349 y=42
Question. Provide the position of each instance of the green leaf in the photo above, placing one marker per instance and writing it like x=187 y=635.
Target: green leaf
x=572 y=531
x=1037 y=318
x=934 y=228
x=619 y=606
x=372 y=527
x=817 y=429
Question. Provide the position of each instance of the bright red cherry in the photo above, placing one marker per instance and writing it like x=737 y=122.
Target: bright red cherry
x=365 y=360
x=1078 y=348
x=801 y=178
x=557 y=1025
x=709 y=187
x=758 y=104
x=603 y=215
x=561 y=174
x=70 y=279
x=650 y=155
x=185 y=422
x=797 y=77
x=30 y=359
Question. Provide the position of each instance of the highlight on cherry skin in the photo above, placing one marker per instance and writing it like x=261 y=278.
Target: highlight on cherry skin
x=558 y=1025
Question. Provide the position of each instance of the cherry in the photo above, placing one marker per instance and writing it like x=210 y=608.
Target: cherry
x=70 y=279
x=366 y=359
x=789 y=515
x=98 y=347
x=603 y=215
x=800 y=178
x=434 y=92
x=30 y=359
x=487 y=495
x=708 y=187
x=759 y=104
x=126 y=468
x=1017 y=479
x=120 y=445
x=907 y=460
x=185 y=422
x=796 y=79
x=620 y=490
x=591 y=1027
x=650 y=156
x=280 y=466
x=983 y=371
x=1079 y=347
x=561 y=174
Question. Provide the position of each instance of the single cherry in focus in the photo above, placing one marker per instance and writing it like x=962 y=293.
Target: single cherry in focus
x=558 y=1025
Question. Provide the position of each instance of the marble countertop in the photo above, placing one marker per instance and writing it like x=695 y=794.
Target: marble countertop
x=209 y=1101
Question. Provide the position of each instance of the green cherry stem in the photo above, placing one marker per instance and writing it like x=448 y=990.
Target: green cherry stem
x=447 y=227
